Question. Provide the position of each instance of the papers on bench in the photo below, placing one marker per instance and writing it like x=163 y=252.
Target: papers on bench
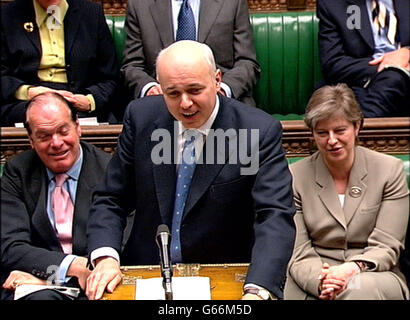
x=90 y=121
x=184 y=288
x=26 y=289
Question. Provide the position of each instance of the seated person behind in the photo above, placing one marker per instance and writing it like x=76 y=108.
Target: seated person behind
x=223 y=25
x=367 y=51
x=41 y=242
x=352 y=207
x=70 y=52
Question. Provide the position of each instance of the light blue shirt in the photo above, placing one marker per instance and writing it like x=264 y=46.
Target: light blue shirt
x=71 y=186
x=176 y=6
x=382 y=45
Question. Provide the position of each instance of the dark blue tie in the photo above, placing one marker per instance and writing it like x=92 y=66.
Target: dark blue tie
x=185 y=173
x=186 y=23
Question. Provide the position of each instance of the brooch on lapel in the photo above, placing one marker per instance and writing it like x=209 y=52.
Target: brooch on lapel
x=355 y=192
x=28 y=26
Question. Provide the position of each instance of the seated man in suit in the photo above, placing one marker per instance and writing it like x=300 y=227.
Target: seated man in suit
x=223 y=25
x=365 y=44
x=63 y=46
x=232 y=204
x=45 y=199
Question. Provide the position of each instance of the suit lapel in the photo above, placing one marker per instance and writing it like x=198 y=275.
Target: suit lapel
x=86 y=183
x=165 y=174
x=328 y=193
x=162 y=16
x=71 y=23
x=208 y=13
x=402 y=9
x=365 y=29
x=40 y=218
x=26 y=15
x=206 y=173
x=356 y=182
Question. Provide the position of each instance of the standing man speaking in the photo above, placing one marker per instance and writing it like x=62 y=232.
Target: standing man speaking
x=218 y=213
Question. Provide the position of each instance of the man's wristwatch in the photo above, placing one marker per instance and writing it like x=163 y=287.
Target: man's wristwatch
x=260 y=292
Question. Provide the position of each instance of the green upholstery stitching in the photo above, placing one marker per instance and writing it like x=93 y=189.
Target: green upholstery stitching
x=286 y=48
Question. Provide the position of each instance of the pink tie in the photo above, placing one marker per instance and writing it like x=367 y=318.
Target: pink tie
x=63 y=213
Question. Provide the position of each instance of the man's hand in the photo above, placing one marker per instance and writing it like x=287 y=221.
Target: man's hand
x=79 y=101
x=106 y=275
x=397 y=58
x=78 y=268
x=17 y=278
x=35 y=91
x=154 y=90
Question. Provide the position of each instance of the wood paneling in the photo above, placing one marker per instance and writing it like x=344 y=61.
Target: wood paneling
x=388 y=135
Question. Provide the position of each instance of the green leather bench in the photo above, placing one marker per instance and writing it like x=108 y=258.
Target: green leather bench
x=286 y=48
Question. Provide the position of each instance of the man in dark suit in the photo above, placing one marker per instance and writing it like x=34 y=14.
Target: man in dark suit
x=224 y=26
x=369 y=54
x=32 y=250
x=70 y=51
x=238 y=205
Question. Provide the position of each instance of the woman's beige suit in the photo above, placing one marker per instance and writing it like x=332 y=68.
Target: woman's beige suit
x=370 y=227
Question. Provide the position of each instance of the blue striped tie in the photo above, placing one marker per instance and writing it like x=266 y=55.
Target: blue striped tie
x=186 y=23
x=185 y=173
x=384 y=19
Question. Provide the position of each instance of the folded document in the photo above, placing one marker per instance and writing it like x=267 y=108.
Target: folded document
x=26 y=289
x=183 y=288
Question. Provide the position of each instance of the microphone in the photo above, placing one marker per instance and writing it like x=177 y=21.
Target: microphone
x=163 y=240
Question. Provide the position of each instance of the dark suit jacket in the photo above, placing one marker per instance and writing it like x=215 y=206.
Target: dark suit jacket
x=223 y=25
x=228 y=217
x=28 y=240
x=90 y=56
x=345 y=53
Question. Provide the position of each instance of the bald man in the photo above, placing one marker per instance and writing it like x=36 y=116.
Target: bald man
x=229 y=209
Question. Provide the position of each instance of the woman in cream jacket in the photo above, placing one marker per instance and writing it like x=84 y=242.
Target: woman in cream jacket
x=352 y=210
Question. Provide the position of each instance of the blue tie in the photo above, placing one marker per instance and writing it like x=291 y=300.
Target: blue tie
x=186 y=23
x=185 y=173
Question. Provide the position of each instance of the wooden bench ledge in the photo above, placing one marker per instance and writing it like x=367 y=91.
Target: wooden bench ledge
x=389 y=135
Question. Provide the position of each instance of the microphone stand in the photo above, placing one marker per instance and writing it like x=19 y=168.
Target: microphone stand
x=163 y=240
x=167 y=284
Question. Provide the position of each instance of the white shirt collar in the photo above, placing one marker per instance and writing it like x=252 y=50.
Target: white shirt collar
x=204 y=129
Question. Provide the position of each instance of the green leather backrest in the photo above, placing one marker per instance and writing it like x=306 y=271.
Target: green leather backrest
x=286 y=48
x=116 y=26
